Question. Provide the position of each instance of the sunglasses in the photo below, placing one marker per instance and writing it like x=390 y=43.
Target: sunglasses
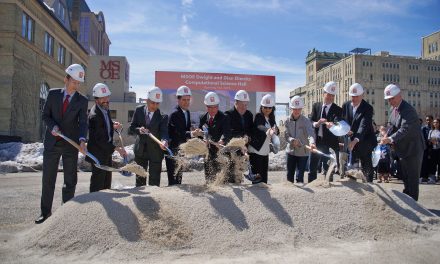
x=265 y=107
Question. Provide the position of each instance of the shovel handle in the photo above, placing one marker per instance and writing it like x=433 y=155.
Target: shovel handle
x=73 y=143
x=160 y=143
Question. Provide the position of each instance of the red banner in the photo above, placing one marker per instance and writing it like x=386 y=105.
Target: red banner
x=215 y=81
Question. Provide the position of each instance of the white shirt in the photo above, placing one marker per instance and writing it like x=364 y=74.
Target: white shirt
x=265 y=149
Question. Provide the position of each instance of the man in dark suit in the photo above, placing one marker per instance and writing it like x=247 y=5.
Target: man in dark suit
x=100 y=145
x=218 y=131
x=65 y=111
x=179 y=127
x=148 y=119
x=323 y=113
x=406 y=138
x=240 y=123
x=359 y=115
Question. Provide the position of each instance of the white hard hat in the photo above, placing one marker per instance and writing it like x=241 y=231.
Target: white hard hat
x=211 y=98
x=155 y=94
x=242 y=95
x=390 y=91
x=331 y=88
x=183 y=90
x=101 y=90
x=356 y=89
x=76 y=71
x=267 y=101
x=296 y=102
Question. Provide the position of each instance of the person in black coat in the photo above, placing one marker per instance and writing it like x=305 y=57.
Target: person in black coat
x=264 y=128
x=359 y=115
x=215 y=121
x=65 y=111
x=179 y=127
x=323 y=113
x=240 y=123
x=407 y=139
x=147 y=152
x=100 y=145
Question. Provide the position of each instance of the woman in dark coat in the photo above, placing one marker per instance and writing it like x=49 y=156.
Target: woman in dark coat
x=264 y=128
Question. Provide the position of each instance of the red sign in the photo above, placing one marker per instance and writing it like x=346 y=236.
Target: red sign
x=215 y=81
x=110 y=70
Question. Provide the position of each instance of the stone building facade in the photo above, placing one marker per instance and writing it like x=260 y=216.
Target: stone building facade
x=418 y=78
x=430 y=46
x=35 y=49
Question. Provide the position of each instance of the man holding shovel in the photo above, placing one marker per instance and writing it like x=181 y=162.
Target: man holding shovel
x=101 y=129
x=65 y=111
x=149 y=124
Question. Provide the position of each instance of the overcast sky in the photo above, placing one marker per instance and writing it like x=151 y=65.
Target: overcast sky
x=257 y=36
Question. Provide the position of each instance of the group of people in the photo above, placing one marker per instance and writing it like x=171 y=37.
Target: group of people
x=305 y=135
x=65 y=115
x=431 y=155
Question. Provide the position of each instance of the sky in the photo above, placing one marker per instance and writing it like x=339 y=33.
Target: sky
x=255 y=36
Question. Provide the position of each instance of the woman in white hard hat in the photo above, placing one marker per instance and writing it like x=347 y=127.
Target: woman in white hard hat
x=100 y=145
x=264 y=128
x=299 y=132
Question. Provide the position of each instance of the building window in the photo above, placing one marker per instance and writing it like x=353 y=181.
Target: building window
x=371 y=77
x=48 y=44
x=27 y=27
x=70 y=58
x=61 y=54
x=44 y=90
x=130 y=115
x=113 y=114
x=61 y=12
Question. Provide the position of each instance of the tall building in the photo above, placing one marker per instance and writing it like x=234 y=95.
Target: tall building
x=35 y=49
x=418 y=78
x=430 y=46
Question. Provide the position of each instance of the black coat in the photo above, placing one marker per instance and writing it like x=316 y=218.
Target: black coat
x=98 y=144
x=334 y=114
x=178 y=128
x=236 y=126
x=73 y=123
x=144 y=146
x=220 y=128
x=259 y=131
x=361 y=125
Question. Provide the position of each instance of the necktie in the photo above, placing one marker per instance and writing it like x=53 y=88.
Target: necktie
x=107 y=125
x=211 y=121
x=147 y=118
x=65 y=104
x=324 y=113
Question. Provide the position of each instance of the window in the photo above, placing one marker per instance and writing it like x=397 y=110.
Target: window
x=113 y=114
x=130 y=115
x=61 y=54
x=48 y=44
x=61 y=12
x=70 y=58
x=371 y=77
x=27 y=27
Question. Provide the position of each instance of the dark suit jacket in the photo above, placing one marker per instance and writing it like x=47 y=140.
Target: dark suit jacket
x=98 y=143
x=72 y=124
x=361 y=125
x=219 y=129
x=178 y=128
x=259 y=131
x=144 y=146
x=334 y=114
x=407 y=136
x=237 y=129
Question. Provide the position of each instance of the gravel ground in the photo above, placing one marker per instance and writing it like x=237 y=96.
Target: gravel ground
x=279 y=223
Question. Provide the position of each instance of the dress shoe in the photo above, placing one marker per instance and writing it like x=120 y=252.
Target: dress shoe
x=42 y=218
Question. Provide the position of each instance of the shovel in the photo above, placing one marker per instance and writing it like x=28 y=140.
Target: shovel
x=170 y=153
x=123 y=173
x=97 y=164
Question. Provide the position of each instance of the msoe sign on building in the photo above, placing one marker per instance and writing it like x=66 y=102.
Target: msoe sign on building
x=224 y=84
